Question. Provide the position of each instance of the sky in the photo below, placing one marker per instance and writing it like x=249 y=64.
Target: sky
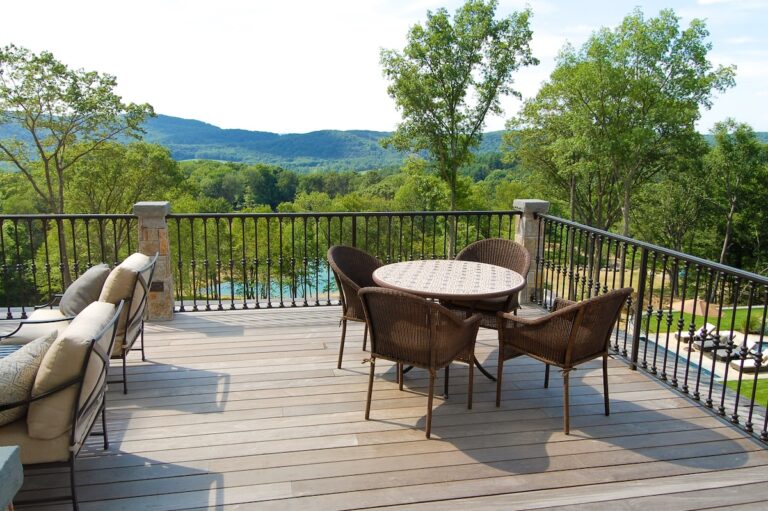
x=297 y=66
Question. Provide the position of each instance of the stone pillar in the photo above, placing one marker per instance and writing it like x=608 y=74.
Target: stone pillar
x=153 y=238
x=527 y=234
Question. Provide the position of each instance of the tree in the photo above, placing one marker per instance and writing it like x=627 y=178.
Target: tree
x=116 y=176
x=62 y=114
x=737 y=173
x=616 y=113
x=450 y=76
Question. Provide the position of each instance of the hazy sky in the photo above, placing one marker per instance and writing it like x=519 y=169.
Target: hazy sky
x=304 y=65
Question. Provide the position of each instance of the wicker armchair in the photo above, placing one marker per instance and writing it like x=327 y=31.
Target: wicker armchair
x=572 y=334
x=353 y=270
x=505 y=253
x=408 y=329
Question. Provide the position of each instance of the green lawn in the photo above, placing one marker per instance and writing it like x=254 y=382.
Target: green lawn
x=747 y=384
x=725 y=320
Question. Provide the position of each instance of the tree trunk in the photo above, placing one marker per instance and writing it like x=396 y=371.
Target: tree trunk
x=452 y=220
x=625 y=210
x=728 y=231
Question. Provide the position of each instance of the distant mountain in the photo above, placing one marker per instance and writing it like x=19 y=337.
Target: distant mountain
x=189 y=139
x=328 y=149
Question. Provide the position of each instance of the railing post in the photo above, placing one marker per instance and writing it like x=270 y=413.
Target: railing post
x=527 y=234
x=638 y=309
x=153 y=238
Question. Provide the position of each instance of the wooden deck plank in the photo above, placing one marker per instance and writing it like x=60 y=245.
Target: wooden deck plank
x=246 y=410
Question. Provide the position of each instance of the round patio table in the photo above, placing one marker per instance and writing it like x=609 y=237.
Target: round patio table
x=450 y=280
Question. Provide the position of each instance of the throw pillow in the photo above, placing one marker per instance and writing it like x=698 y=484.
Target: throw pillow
x=17 y=374
x=83 y=291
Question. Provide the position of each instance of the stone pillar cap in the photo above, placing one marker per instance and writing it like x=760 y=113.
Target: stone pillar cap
x=152 y=208
x=530 y=206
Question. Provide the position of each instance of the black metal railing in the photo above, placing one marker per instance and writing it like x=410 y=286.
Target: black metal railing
x=40 y=255
x=254 y=260
x=694 y=324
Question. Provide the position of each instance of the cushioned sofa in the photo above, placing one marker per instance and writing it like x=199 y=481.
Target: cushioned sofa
x=53 y=389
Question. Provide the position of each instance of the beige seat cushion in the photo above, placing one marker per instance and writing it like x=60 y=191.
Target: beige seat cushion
x=122 y=285
x=17 y=374
x=84 y=291
x=35 y=450
x=31 y=331
x=51 y=416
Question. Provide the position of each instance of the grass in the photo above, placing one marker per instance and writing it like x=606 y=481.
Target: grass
x=747 y=384
x=726 y=319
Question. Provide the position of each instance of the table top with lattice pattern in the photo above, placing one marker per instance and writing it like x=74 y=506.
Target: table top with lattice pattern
x=449 y=279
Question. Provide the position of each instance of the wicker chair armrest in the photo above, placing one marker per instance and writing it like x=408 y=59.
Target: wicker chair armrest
x=561 y=303
x=505 y=317
x=460 y=340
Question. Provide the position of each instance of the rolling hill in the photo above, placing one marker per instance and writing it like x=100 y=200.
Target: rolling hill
x=327 y=149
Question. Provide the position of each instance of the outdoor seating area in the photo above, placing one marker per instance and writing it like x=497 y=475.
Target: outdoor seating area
x=246 y=410
x=279 y=405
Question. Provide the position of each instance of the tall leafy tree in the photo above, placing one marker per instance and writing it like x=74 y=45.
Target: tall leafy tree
x=450 y=76
x=116 y=176
x=617 y=112
x=736 y=175
x=61 y=116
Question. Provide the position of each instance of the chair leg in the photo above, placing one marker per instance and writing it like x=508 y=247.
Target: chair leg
x=365 y=336
x=566 y=403
x=341 y=347
x=370 y=390
x=400 y=377
x=499 y=374
x=72 y=483
x=104 y=425
x=447 y=377
x=605 y=385
x=471 y=385
x=143 y=356
x=125 y=378
x=429 y=401
x=546 y=376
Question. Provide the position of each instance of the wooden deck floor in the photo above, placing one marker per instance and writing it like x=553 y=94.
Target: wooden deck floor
x=246 y=410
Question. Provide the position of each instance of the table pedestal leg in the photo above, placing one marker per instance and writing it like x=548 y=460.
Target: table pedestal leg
x=482 y=370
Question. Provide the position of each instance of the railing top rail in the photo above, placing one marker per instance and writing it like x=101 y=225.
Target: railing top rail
x=327 y=214
x=70 y=216
x=661 y=250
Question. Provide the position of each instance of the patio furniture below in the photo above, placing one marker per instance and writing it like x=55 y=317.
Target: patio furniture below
x=408 y=329
x=574 y=333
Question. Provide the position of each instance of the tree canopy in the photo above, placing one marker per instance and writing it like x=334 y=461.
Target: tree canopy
x=617 y=112
x=450 y=76
x=62 y=115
